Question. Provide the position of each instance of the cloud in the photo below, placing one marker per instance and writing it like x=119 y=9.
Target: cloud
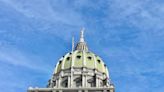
x=15 y=57
x=18 y=66
x=31 y=17
x=144 y=14
x=34 y=9
x=128 y=34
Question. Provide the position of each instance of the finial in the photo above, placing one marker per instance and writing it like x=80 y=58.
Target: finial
x=82 y=35
x=81 y=45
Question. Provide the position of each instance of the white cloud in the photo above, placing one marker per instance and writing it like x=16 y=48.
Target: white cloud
x=44 y=17
x=46 y=10
x=144 y=14
x=17 y=58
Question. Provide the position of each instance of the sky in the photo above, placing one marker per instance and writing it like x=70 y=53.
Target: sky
x=127 y=34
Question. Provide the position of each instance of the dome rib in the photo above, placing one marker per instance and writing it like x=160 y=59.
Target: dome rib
x=64 y=60
x=83 y=61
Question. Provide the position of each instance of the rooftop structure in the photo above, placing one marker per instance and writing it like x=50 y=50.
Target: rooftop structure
x=80 y=70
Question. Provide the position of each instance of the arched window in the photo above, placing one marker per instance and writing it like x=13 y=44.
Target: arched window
x=105 y=82
x=64 y=82
x=78 y=82
x=91 y=82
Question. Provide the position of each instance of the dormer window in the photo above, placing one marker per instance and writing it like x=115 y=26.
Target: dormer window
x=60 y=62
x=89 y=58
x=68 y=58
x=78 y=57
x=98 y=61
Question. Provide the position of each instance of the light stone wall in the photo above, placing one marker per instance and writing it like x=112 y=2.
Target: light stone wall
x=70 y=75
x=84 y=73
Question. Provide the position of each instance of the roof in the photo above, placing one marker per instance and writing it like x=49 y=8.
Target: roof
x=81 y=57
x=78 y=59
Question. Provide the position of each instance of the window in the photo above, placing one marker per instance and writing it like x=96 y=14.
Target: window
x=78 y=57
x=78 y=81
x=54 y=83
x=91 y=82
x=64 y=82
x=60 y=62
x=89 y=58
x=105 y=81
x=68 y=58
x=98 y=61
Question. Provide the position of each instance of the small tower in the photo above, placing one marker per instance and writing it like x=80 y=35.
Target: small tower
x=79 y=71
x=81 y=45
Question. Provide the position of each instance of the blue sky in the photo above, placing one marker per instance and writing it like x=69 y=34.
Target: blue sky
x=127 y=34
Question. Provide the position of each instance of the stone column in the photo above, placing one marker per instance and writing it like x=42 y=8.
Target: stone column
x=86 y=91
x=60 y=91
x=83 y=80
x=79 y=91
x=71 y=77
x=112 y=90
x=59 y=81
x=97 y=81
x=104 y=90
x=86 y=80
x=69 y=81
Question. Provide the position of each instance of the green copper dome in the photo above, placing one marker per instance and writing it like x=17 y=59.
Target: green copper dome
x=81 y=57
x=78 y=59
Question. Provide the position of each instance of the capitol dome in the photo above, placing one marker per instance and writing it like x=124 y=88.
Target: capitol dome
x=80 y=59
x=80 y=70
